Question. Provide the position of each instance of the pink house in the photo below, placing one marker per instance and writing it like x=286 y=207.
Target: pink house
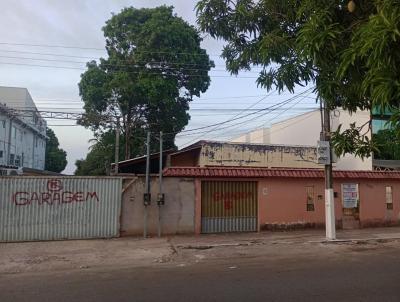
x=252 y=199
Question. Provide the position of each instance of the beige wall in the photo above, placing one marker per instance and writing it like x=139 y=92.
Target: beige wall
x=177 y=215
x=225 y=154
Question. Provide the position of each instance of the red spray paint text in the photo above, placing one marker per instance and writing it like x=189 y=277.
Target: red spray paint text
x=229 y=197
x=27 y=198
x=55 y=195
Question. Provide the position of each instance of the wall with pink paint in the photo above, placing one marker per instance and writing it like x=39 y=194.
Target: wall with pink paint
x=283 y=203
x=373 y=210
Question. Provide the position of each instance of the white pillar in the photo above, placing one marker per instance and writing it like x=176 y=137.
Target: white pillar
x=330 y=215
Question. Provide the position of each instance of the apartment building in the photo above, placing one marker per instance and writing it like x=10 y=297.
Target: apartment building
x=22 y=130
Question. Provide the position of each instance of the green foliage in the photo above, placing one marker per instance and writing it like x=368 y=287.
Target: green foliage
x=387 y=144
x=155 y=66
x=351 y=58
x=100 y=156
x=56 y=158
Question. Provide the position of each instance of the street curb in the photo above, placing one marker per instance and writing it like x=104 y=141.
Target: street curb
x=355 y=240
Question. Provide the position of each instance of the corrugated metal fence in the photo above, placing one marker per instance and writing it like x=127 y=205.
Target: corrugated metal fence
x=47 y=208
x=228 y=206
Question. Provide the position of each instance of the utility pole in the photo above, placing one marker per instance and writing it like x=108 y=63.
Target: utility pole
x=161 y=197
x=330 y=229
x=147 y=196
x=117 y=131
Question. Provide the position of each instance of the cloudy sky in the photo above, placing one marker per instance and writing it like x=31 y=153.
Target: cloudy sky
x=51 y=73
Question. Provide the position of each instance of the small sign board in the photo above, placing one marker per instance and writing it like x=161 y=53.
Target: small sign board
x=323 y=153
x=350 y=195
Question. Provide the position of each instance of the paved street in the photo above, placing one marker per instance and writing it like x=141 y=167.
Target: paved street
x=282 y=267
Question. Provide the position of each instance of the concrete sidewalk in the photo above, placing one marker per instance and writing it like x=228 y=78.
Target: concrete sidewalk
x=179 y=250
x=276 y=237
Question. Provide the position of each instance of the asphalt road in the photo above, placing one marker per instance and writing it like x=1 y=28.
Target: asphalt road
x=367 y=275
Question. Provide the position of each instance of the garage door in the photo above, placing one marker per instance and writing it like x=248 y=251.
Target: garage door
x=228 y=206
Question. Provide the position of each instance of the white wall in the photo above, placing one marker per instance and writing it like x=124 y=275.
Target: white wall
x=349 y=162
x=305 y=130
x=25 y=144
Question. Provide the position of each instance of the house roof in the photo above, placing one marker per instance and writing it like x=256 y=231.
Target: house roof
x=212 y=142
x=237 y=172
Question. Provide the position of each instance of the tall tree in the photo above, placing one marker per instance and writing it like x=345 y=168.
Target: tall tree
x=56 y=158
x=155 y=66
x=101 y=155
x=350 y=55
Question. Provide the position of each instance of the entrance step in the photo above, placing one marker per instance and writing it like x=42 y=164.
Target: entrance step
x=350 y=223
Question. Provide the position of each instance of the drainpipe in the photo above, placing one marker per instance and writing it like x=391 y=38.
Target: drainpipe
x=9 y=143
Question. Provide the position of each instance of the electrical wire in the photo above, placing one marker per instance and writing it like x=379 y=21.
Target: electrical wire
x=237 y=118
x=277 y=115
x=216 y=128
x=104 y=49
x=128 y=71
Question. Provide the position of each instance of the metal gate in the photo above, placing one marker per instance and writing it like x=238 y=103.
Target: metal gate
x=48 y=208
x=228 y=206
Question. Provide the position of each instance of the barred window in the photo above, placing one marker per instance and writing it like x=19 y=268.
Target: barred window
x=389 y=198
x=310 y=198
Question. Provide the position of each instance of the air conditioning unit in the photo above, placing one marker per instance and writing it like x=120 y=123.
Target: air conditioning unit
x=10 y=172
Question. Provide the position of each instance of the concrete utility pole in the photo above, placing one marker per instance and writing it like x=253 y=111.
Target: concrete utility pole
x=147 y=196
x=117 y=131
x=329 y=198
x=160 y=199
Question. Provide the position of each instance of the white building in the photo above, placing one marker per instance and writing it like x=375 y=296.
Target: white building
x=22 y=130
x=305 y=129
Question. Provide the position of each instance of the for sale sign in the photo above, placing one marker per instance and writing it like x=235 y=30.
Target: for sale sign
x=350 y=195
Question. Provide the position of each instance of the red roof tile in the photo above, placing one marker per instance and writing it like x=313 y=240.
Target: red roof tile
x=232 y=172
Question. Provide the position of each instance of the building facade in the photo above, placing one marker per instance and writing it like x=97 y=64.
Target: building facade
x=213 y=153
x=305 y=129
x=253 y=199
x=22 y=130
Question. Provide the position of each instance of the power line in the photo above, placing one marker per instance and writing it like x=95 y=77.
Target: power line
x=216 y=128
x=95 y=58
x=104 y=49
x=236 y=118
x=279 y=108
x=128 y=71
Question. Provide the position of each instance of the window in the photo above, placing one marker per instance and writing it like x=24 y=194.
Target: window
x=14 y=132
x=389 y=198
x=1 y=153
x=310 y=198
x=4 y=124
x=17 y=161
x=12 y=158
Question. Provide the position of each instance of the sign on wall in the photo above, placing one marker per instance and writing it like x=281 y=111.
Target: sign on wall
x=350 y=195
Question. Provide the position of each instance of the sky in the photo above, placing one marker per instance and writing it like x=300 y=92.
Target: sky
x=53 y=80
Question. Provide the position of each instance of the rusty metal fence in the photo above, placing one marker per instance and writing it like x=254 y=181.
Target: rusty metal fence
x=50 y=208
x=228 y=206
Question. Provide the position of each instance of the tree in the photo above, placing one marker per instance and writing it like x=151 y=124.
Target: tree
x=387 y=144
x=100 y=156
x=155 y=66
x=352 y=58
x=56 y=158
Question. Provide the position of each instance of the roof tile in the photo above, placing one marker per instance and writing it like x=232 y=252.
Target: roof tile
x=236 y=172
